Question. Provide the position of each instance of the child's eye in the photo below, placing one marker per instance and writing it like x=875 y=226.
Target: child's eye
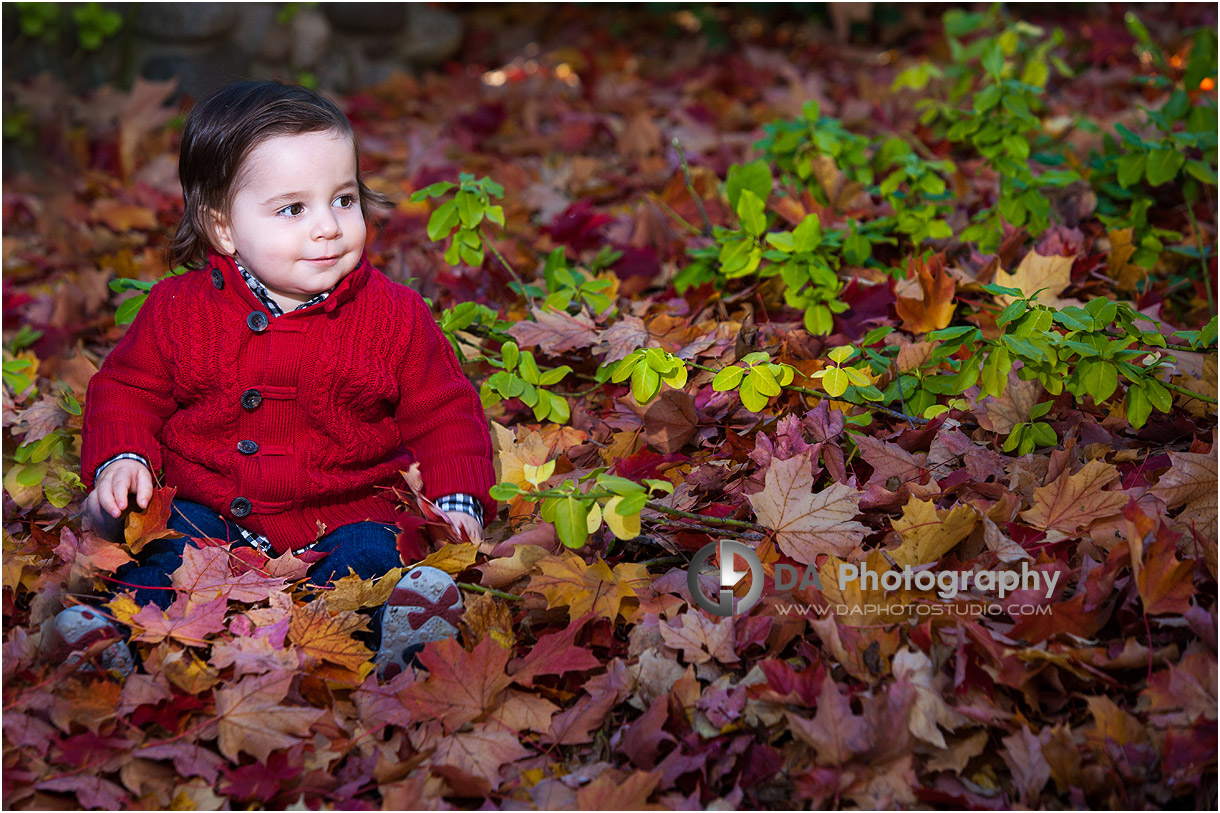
x=292 y=210
x=345 y=201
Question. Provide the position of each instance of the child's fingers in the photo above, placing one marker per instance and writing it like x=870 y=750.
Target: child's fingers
x=119 y=489
x=144 y=487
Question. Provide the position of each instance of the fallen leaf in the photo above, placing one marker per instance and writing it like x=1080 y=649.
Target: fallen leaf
x=1190 y=484
x=807 y=524
x=566 y=581
x=1073 y=501
x=461 y=686
x=553 y=331
x=835 y=732
x=185 y=621
x=928 y=534
x=701 y=639
x=150 y=524
x=252 y=717
x=1050 y=274
x=322 y=636
x=934 y=310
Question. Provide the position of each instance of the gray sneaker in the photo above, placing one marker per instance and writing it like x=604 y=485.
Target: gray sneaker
x=426 y=605
x=77 y=629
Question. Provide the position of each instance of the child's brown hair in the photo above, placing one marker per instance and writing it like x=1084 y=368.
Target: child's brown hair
x=222 y=130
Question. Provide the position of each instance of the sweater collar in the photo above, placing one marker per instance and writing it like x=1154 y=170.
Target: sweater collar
x=347 y=288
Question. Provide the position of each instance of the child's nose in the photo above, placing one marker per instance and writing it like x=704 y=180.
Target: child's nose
x=326 y=226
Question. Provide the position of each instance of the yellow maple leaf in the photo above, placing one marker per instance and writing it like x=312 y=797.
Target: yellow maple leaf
x=453 y=558
x=566 y=581
x=325 y=637
x=1038 y=272
x=1073 y=501
x=354 y=593
x=928 y=534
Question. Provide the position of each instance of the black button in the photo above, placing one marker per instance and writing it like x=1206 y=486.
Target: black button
x=250 y=399
x=257 y=320
x=247 y=447
x=240 y=507
x=218 y=279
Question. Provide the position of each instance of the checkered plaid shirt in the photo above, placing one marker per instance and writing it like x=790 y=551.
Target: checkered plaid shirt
x=465 y=503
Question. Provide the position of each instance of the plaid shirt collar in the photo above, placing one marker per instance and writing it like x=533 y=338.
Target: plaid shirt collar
x=260 y=291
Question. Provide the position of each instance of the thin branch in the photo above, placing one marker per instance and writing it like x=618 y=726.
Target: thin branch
x=690 y=187
x=1188 y=393
x=1207 y=276
x=731 y=523
x=490 y=591
x=516 y=278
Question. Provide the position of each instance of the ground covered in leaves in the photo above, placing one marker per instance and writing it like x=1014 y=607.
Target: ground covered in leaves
x=584 y=676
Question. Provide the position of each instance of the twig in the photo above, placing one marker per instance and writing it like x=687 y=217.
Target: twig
x=1188 y=393
x=692 y=228
x=1207 y=277
x=490 y=591
x=690 y=187
x=731 y=523
x=516 y=278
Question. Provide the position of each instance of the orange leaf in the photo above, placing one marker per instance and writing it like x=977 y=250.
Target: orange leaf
x=150 y=524
x=935 y=310
x=461 y=685
x=253 y=719
x=1165 y=584
x=567 y=581
x=325 y=637
x=1074 y=501
x=184 y=621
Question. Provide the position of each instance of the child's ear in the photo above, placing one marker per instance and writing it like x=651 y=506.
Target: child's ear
x=222 y=235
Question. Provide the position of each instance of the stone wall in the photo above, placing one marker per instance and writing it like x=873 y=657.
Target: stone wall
x=340 y=45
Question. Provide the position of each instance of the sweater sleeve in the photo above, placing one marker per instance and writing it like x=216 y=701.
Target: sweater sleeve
x=130 y=397
x=440 y=416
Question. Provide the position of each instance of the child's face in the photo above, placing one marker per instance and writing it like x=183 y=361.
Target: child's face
x=295 y=222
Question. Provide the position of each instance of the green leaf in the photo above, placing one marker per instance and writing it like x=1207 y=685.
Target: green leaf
x=632 y=504
x=819 y=321
x=728 y=379
x=807 y=236
x=835 y=382
x=1000 y=290
x=645 y=383
x=571 y=522
x=994 y=378
x=1163 y=165
x=764 y=381
x=1043 y=434
x=750 y=397
x=1100 y=379
x=1138 y=406
x=31 y=475
x=754 y=176
x=553 y=376
x=993 y=59
x=1158 y=396
x=875 y=335
x=560 y=411
x=127 y=311
x=529 y=368
x=509 y=352
x=841 y=354
x=442 y=221
x=503 y=492
x=752 y=212
x=1013 y=311
x=1038 y=410
x=619 y=485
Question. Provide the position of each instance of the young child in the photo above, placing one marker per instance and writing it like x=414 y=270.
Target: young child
x=285 y=382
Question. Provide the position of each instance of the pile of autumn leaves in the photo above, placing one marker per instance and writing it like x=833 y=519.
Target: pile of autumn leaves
x=585 y=679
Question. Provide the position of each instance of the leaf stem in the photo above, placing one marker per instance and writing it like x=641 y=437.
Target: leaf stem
x=516 y=278
x=1188 y=393
x=731 y=523
x=1207 y=277
x=690 y=187
x=490 y=591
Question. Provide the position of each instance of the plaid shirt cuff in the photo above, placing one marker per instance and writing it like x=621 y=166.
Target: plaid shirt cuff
x=461 y=502
x=123 y=456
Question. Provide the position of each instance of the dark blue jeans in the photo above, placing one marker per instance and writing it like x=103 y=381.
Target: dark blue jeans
x=368 y=548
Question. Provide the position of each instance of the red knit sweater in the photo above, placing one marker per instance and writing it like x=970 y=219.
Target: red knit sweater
x=289 y=426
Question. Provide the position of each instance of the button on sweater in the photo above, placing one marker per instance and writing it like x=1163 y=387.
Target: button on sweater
x=339 y=398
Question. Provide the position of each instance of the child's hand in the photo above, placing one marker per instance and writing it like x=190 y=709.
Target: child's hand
x=120 y=478
x=464 y=522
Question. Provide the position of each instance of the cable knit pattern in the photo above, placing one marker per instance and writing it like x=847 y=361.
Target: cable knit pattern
x=350 y=391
